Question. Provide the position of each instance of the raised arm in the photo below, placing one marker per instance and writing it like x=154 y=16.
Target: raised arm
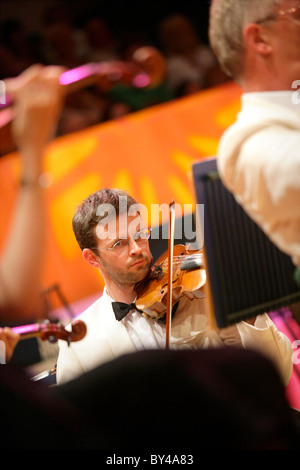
x=37 y=103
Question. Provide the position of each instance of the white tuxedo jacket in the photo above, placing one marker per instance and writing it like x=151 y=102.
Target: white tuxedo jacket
x=107 y=338
x=259 y=162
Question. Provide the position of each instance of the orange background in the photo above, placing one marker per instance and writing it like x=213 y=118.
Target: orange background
x=149 y=153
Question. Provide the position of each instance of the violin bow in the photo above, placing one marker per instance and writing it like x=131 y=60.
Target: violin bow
x=170 y=271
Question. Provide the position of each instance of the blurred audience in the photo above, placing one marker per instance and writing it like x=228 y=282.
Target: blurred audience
x=190 y=63
x=66 y=45
x=70 y=42
x=61 y=46
x=15 y=49
x=98 y=39
x=62 y=41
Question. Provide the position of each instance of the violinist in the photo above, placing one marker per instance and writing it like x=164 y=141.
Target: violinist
x=120 y=251
x=38 y=99
x=8 y=341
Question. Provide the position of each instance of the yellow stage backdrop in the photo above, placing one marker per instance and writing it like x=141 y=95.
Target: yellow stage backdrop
x=149 y=153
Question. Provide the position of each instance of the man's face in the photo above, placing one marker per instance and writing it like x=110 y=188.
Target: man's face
x=124 y=259
x=285 y=32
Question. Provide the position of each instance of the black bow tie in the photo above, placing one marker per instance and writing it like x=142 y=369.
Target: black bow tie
x=121 y=309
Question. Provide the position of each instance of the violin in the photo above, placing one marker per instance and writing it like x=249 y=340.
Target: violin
x=188 y=276
x=146 y=70
x=52 y=331
x=178 y=272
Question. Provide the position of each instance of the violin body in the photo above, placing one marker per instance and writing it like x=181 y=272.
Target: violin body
x=188 y=277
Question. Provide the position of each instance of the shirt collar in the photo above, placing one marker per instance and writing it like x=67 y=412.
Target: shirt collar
x=283 y=98
x=105 y=294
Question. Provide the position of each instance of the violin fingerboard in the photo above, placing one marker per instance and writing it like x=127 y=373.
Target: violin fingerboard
x=191 y=263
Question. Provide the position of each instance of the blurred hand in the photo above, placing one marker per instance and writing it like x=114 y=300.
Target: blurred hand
x=38 y=98
x=10 y=339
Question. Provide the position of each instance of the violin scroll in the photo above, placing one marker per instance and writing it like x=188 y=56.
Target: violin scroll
x=152 y=63
x=78 y=330
x=147 y=69
x=52 y=331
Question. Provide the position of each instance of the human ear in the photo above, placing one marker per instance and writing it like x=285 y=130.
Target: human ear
x=91 y=257
x=257 y=38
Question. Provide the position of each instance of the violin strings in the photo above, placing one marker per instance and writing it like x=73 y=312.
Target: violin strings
x=178 y=259
x=183 y=257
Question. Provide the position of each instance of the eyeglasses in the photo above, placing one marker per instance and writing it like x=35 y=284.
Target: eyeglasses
x=291 y=13
x=140 y=238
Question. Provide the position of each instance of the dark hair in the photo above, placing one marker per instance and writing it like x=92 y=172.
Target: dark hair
x=87 y=216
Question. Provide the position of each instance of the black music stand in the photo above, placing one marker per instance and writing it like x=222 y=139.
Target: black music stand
x=248 y=275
